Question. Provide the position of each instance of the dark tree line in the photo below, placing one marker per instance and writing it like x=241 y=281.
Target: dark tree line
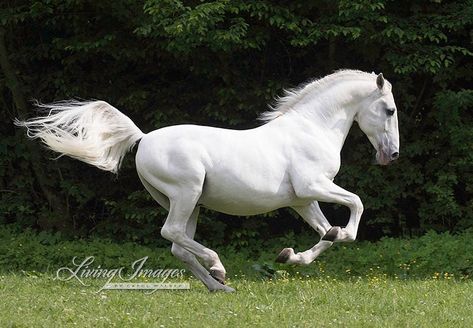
x=220 y=63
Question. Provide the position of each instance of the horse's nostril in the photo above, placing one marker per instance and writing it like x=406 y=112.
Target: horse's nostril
x=394 y=156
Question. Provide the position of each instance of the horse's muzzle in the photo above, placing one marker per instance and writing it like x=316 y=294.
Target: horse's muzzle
x=384 y=158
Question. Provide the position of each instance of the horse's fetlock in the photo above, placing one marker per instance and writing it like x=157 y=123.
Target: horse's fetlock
x=213 y=260
x=350 y=238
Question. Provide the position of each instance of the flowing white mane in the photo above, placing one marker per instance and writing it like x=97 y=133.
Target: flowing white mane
x=291 y=97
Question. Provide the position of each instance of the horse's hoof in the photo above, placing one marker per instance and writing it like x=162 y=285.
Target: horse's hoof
x=223 y=288
x=332 y=234
x=228 y=289
x=284 y=256
x=218 y=275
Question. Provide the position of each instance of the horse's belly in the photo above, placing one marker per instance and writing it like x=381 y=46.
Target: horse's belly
x=241 y=206
x=240 y=198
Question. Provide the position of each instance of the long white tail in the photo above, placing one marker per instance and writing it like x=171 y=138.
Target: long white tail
x=91 y=131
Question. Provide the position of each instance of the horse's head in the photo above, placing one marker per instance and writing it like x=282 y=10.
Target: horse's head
x=377 y=118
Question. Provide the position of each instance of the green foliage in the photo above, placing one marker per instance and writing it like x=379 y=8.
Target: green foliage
x=434 y=255
x=450 y=172
x=46 y=252
x=430 y=256
x=219 y=63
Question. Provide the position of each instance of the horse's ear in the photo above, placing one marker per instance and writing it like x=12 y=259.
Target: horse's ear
x=380 y=81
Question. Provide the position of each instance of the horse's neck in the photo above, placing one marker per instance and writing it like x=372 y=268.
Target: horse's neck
x=329 y=112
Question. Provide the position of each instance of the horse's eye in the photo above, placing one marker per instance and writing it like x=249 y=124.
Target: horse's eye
x=390 y=111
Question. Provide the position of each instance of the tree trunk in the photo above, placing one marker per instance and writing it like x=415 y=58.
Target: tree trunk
x=59 y=212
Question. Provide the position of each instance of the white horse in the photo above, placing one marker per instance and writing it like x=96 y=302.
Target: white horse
x=290 y=161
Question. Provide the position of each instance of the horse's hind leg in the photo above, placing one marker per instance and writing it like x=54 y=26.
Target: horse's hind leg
x=181 y=253
x=313 y=215
x=191 y=261
x=181 y=208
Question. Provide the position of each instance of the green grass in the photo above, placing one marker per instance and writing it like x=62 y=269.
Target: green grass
x=376 y=301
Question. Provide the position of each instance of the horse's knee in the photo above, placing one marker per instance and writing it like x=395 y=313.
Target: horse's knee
x=357 y=205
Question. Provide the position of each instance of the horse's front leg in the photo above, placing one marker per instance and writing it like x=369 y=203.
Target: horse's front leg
x=313 y=215
x=326 y=191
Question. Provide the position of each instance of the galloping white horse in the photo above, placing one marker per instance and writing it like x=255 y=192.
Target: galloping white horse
x=290 y=161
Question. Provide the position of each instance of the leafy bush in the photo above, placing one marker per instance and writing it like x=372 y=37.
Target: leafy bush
x=433 y=255
x=219 y=63
x=30 y=251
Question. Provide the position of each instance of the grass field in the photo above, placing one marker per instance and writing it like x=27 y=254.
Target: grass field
x=39 y=301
